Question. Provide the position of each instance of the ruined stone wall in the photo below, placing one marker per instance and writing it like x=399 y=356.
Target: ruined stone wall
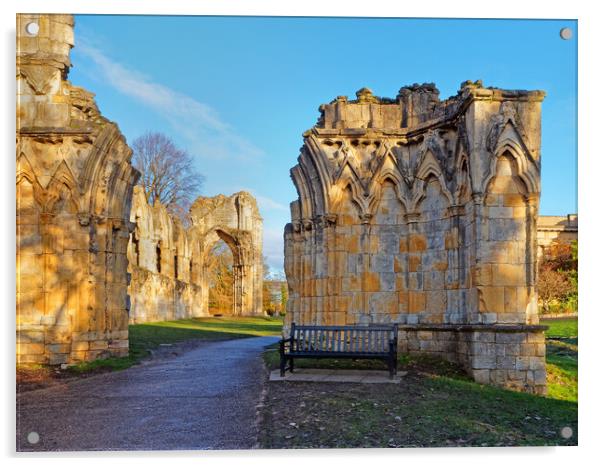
x=423 y=212
x=74 y=189
x=164 y=281
x=167 y=261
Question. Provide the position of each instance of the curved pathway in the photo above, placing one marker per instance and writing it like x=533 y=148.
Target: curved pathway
x=204 y=399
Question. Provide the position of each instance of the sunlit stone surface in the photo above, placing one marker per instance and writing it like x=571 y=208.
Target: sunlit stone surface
x=74 y=190
x=423 y=212
x=167 y=261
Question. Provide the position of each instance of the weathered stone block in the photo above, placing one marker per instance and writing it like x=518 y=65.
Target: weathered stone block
x=436 y=301
x=483 y=362
x=539 y=377
x=510 y=337
x=416 y=301
x=537 y=363
x=58 y=358
x=387 y=281
x=371 y=281
x=59 y=348
x=506 y=362
x=99 y=345
x=30 y=348
x=522 y=363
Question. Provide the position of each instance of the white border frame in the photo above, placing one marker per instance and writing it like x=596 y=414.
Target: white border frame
x=590 y=39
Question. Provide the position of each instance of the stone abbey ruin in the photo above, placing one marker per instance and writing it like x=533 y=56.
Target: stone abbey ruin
x=92 y=255
x=423 y=212
x=411 y=210
x=166 y=260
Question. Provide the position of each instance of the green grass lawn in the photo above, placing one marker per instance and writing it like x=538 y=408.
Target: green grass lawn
x=561 y=358
x=435 y=405
x=145 y=337
x=561 y=328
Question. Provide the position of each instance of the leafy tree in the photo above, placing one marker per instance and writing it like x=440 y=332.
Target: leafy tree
x=168 y=173
x=283 y=297
x=557 y=277
x=220 y=279
x=552 y=286
x=561 y=256
x=573 y=277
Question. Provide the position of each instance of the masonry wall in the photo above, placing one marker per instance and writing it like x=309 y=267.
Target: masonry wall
x=74 y=189
x=167 y=261
x=164 y=282
x=423 y=212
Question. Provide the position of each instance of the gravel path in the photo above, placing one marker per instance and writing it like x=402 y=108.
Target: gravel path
x=203 y=399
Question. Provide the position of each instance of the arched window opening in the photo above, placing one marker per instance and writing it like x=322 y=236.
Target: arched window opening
x=175 y=264
x=220 y=279
x=136 y=245
x=158 y=256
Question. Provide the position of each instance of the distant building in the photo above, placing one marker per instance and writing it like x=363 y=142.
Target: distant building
x=555 y=228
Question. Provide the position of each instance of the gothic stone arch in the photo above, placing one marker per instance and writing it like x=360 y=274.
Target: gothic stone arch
x=423 y=212
x=236 y=220
x=167 y=261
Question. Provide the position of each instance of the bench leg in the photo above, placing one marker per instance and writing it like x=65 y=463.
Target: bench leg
x=282 y=365
x=292 y=364
x=391 y=364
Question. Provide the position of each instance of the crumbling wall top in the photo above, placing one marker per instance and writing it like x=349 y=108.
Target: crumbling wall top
x=51 y=44
x=414 y=105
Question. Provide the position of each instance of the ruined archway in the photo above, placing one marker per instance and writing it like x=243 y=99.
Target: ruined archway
x=168 y=261
x=236 y=221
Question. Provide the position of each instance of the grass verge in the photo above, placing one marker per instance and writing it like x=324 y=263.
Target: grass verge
x=562 y=358
x=144 y=338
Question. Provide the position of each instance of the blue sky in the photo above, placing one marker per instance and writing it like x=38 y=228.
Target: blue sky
x=238 y=93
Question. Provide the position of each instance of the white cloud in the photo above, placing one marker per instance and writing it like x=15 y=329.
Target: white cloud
x=273 y=248
x=208 y=135
x=266 y=203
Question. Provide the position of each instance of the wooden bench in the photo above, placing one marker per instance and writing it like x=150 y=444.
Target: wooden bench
x=353 y=342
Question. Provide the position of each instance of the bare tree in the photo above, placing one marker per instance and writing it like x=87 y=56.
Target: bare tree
x=168 y=173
